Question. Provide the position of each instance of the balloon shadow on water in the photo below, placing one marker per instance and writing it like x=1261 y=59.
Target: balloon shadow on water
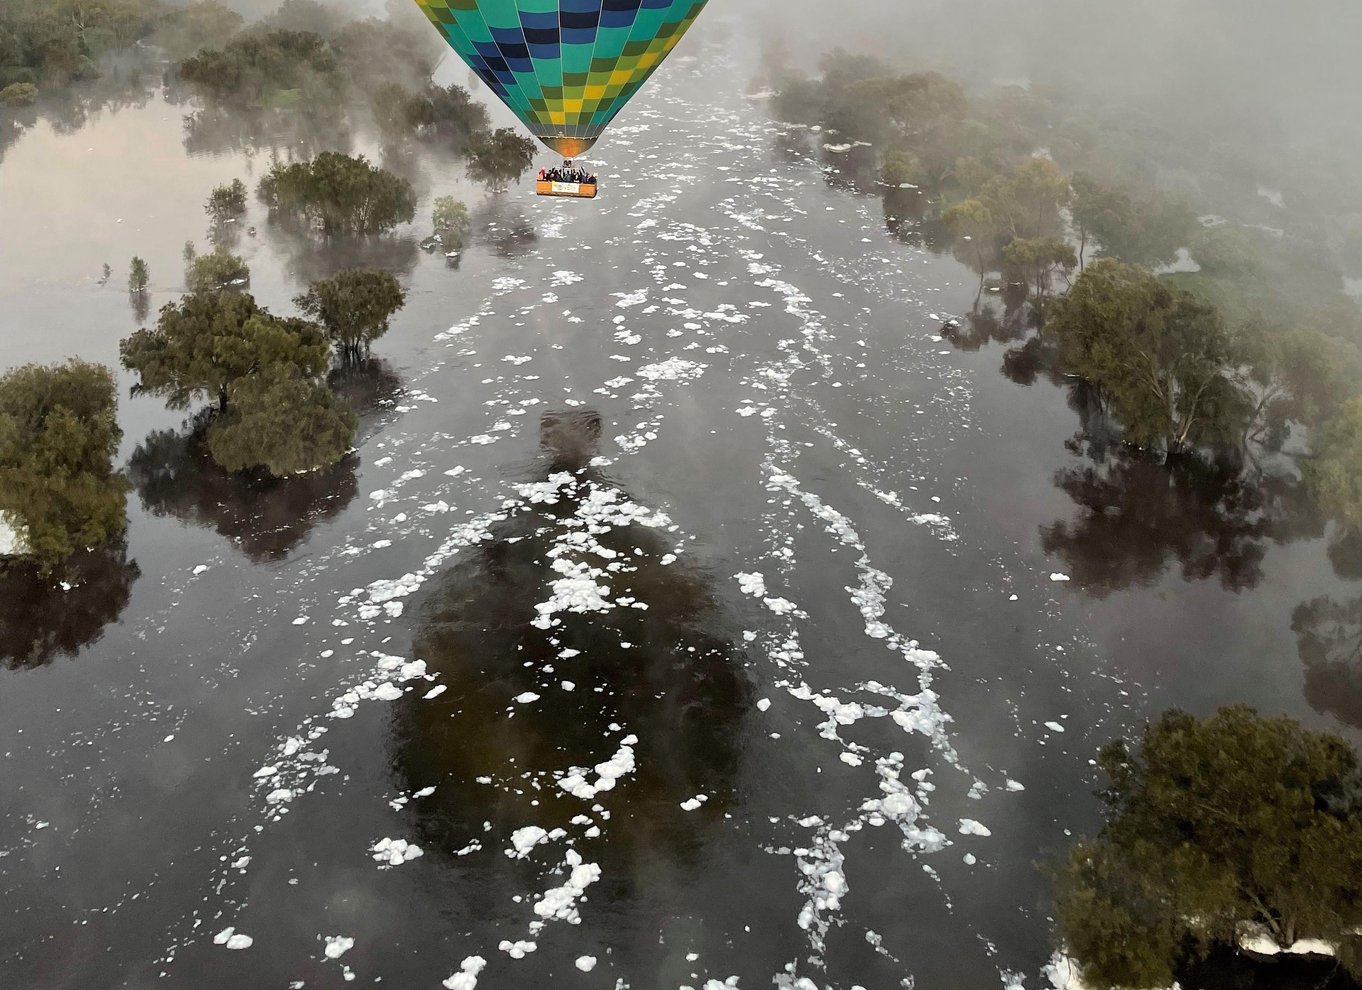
x=1137 y=517
x=505 y=229
x=264 y=517
x=41 y=620
x=656 y=664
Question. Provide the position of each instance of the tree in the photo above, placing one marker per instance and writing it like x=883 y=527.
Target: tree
x=1297 y=376
x=184 y=30
x=226 y=202
x=139 y=277
x=20 y=94
x=58 y=436
x=1031 y=198
x=255 y=66
x=1334 y=470
x=203 y=344
x=339 y=194
x=451 y=221
x=282 y=421
x=1142 y=230
x=901 y=168
x=1211 y=824
x=1161 y=358
x=977 y=230
x=497 y=158
x=1039 y=258
x=216 y=271
x=353 y=308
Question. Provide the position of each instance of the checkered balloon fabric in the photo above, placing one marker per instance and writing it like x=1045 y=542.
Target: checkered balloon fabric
x=566 y=67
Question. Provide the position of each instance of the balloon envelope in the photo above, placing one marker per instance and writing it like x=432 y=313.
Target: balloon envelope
x=565 y=67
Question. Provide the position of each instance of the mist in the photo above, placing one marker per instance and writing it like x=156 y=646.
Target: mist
x=1273 y=86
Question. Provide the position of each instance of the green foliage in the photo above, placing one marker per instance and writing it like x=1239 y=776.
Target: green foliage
x=57 y=41
x=206 y=342
x=258 y=63
x=451 y=221
x=184 y=30
x=977 y=233
x=900 y=168
x=1212 y=823
x=448 y=113
x=281 y=420
x=1040 y=258
x=1144 y=230
x=58 y=436
x=139 y=276
x=216 y=271
x=339 y=194
x=20 y=94
x=1253 y=276
x=226 y=202
x=1296 y=376
x=496 y=158
x=1334 y=472
x=1160 y=357
x=353 y=307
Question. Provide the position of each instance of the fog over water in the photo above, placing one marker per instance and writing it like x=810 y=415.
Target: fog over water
x=690 y=612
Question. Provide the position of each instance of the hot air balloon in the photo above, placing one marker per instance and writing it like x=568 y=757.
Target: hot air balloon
x=565 y=67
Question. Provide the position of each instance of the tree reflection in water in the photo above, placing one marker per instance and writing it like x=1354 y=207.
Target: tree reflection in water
x=41 y=620
x=373 y=390
x=1329 y=641
x=1138 y=516
x=654 y=665
x=265 y=517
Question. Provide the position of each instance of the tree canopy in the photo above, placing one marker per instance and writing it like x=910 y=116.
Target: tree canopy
x=202 y=344
x=451 y=221
x=353 y=307
x=1213 y=823
x=1335 y=469
x=226 y=202
x=264 y=371
x=220 y=269
x=58 y=436
x=282 y=421
x=339 y=194
x=1161 y=357
x=497 y=158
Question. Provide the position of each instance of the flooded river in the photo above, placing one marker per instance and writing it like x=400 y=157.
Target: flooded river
x=691 y=614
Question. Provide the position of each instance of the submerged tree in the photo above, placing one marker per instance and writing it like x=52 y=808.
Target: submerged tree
x=58 y=436
x=977 y=231
x=1213 y=824
x=226 y=202
x=1142 y=230
x=354 y=308
x=497 y=158
x=204 y=343
x=273 y=412
x=1335 y=470
x=339 y=194
x=219 y=270
x=282 y=421
x=1161 y=357
x=139 y=277
x=451 y=221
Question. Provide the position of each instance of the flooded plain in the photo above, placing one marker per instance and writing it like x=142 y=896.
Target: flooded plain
x=691 y=613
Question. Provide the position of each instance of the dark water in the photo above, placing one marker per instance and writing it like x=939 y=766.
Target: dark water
x=511 y=629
